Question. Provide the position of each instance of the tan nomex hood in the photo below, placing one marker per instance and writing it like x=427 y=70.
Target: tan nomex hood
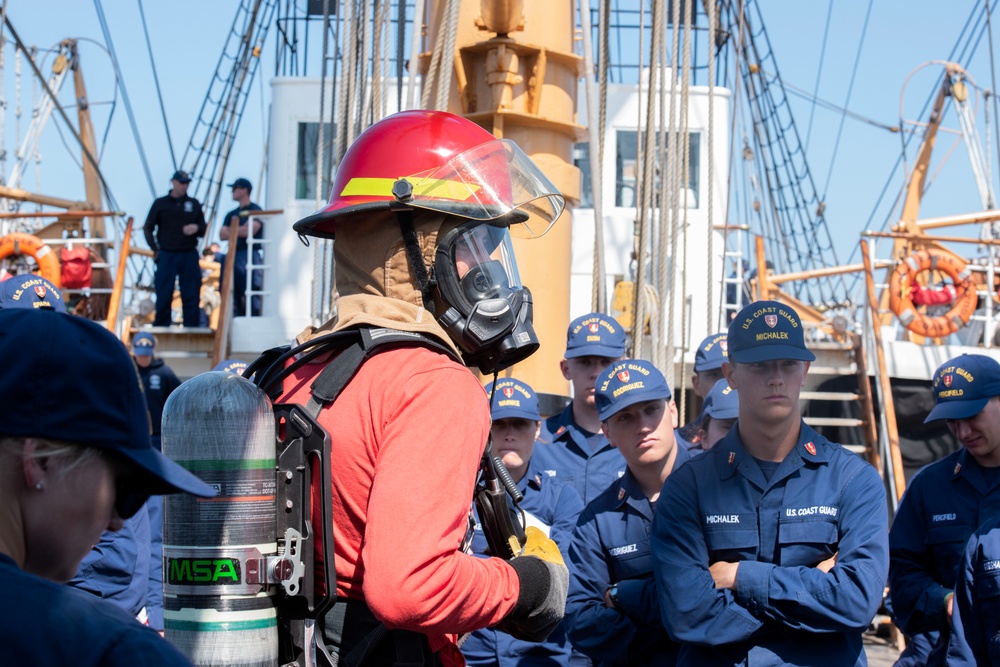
x=370 y=261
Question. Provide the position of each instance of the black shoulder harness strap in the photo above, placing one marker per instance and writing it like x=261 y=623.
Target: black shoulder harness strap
x=332 y=379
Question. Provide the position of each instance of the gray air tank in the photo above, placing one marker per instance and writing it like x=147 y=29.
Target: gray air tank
x=217 y=609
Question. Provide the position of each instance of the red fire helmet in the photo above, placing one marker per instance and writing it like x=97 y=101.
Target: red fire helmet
x=441 y=162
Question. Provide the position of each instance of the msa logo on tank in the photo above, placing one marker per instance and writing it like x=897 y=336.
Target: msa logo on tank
x=204 y=571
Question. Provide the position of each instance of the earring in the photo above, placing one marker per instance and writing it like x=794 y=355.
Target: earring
x=39 y=485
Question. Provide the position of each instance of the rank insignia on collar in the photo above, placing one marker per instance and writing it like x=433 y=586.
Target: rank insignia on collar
x=732 y=457
x=538 y=480
x=958 y=466
x=621 y=493
x=562 y=429
x=811 y=448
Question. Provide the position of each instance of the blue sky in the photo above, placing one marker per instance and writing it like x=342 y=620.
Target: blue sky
x=187 y=38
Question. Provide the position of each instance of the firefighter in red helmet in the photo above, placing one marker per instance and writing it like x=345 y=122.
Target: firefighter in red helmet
x=422 y=209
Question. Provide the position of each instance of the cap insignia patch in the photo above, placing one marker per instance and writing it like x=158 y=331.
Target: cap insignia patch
x=623 y=376
x=771 y=320
x=40 y=291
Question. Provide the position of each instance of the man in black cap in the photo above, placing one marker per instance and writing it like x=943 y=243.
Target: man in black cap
x=173 y=227
x=241 y=194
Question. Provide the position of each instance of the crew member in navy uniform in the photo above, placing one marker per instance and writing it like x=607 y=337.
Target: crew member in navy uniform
x=551 y=505
x=719 y=414
x=241 y=194
x=173 y=227
x=943 y=505
x=612 y=611
x=75 y=460
x=975 y=624
x=775 y=549
x=158 y=381
x=572 y=446
x=707 y=371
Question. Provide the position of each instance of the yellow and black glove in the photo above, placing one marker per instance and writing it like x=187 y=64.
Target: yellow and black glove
x=544 y=580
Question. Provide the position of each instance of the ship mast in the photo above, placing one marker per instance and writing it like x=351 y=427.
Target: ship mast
x=513 y=71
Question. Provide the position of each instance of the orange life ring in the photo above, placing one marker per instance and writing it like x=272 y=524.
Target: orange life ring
x=901 y=302
x=19 y=243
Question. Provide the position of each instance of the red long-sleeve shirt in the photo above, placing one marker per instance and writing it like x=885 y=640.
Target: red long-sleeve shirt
x=408 y=433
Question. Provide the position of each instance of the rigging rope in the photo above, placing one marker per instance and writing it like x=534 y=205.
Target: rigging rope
x=128 y=105
x=646 y=200
x=711 y=318
x=819 y=71
x=685 y=179
x=594 y=136
x=156 y=81
x=847 y=101
x=668 y=273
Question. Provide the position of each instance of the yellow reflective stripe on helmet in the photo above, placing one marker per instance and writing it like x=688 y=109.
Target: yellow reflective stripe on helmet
x=382 y=187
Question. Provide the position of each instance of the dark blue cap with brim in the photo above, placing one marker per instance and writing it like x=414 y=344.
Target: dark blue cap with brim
x=626 y=383
x=722 y=401
x=595 y=335
x=513 y=399
x=30 y=291
x=963 y=386
x=711 y=353
x=143 y=344
x=69 y=379
x=767 y=331
x=234 y=366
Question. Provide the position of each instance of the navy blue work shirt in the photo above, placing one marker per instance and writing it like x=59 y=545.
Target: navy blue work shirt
x=45 y=624
x=943 y=505
x=557 y=506
x=611 y=545
x=241 y=241
x=164 y=226
x=117 y=568
x=822 y=500
x=158 y=382
x=975 y=636
x=563 y=452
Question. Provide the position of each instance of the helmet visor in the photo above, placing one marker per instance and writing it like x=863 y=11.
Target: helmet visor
x=488 y=182
x=484 y=263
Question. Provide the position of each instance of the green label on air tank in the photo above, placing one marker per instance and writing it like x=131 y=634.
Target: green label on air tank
x=203 y=571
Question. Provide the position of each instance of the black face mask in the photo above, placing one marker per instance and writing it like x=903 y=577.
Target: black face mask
x=489 y=320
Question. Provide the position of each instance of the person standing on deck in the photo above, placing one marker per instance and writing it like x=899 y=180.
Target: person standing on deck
x=173 y=226
x=775 y=549
x=612 y=611
x=572 y=447
x=240 y=248
x=943 y=505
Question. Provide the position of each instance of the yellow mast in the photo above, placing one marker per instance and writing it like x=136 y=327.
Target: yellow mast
x=516 y=75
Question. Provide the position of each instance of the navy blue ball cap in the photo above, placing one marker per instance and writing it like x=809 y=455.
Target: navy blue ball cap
x=722 y=401
x=143 y=344
x=181 y=176
x=30 y=291
x=513 y=398
x=767 y=331
x=241 y=183
x=626 y=383
x=234 y=366
x=67 y=378
x=595 y=335
x=711 y=353
x=963 y=386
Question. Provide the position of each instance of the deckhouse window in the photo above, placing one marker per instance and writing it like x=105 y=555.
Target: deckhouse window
x=305 y=159
x=626 y=168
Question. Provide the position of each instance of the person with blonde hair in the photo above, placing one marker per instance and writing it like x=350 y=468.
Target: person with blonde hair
x=75 y=460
